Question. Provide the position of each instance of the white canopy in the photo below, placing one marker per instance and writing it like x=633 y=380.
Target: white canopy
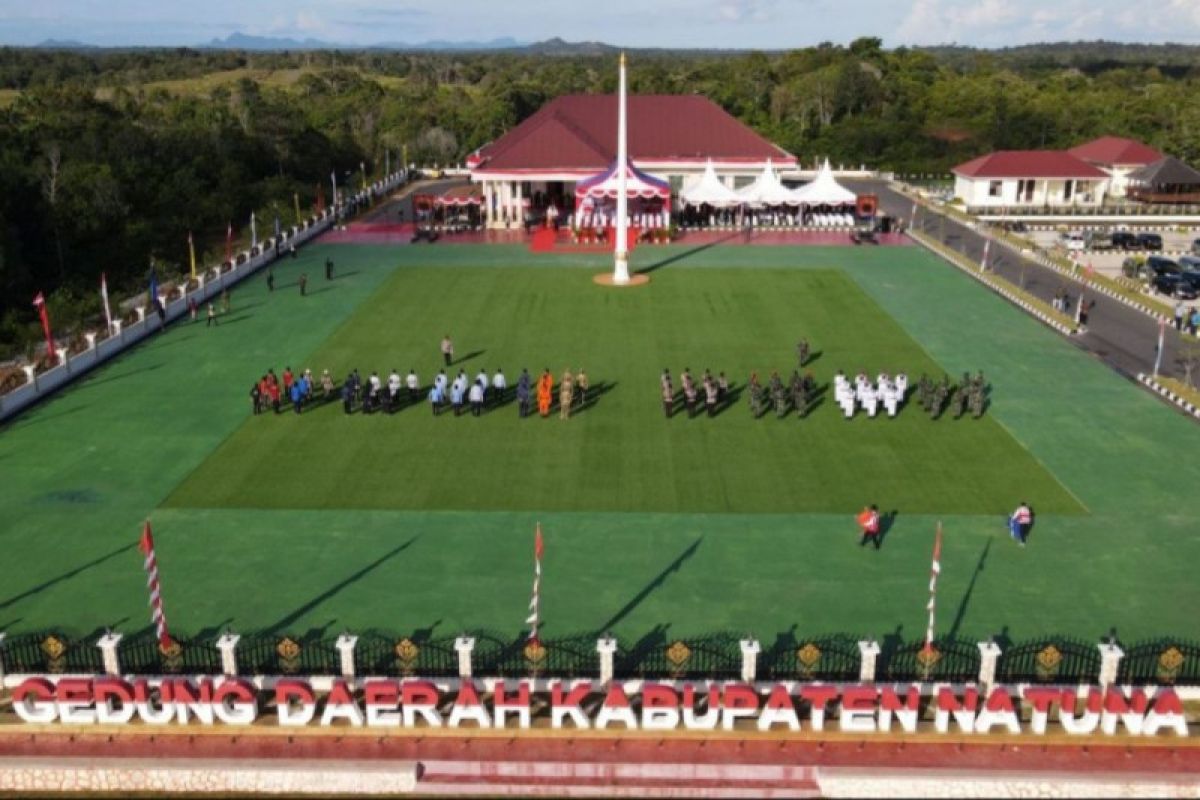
x=824 y=190
x=709 y=190
x=768 y=190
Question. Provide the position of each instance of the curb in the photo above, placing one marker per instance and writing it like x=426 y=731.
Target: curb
x=996 y=287
x=1166 y=393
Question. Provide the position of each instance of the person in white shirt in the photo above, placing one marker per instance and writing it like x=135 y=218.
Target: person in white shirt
x=441 y=380
x=499 y=385
x=483 y=380
x=475 y=396
x=414 y=386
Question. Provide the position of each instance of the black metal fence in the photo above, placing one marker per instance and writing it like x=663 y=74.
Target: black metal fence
x=655 y=656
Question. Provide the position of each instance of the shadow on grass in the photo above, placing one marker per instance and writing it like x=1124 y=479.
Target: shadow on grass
x=71 y=573
x=467 y=357
x=290 y=618
x=652 y=586
x=666 y=262
x=961 y=613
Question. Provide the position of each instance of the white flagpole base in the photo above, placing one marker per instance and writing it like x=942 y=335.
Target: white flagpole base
x=621 y=269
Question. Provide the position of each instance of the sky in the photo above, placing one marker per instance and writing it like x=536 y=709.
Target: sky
x=740 y=24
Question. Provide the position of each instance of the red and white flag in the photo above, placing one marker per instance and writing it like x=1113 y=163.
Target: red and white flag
x=934 y=571
x=39 y=303
x=156 y=605
x=229 y=244
x=104 y=297
x=535 y=600
x=1089 y=272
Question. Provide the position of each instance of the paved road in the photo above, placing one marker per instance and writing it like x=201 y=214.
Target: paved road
x=400 y=208
x=1118 y=335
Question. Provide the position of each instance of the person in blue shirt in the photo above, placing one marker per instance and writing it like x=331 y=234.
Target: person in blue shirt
x=348 y=394
x=297 y=396
x=456 y=398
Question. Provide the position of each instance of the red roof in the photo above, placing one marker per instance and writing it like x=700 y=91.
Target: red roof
x=579 y=132
x=1112 y=150
x=1028 y=164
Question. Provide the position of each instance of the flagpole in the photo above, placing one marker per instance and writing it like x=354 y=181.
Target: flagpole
x=39 y=303
x=934 y=571
x=621 y=257
x=1162 y=332
x=535 y=601
x=157 y=616
x=192 y=254
x=104 y=297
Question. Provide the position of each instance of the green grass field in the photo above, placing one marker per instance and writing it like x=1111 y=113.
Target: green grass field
x=323 y=523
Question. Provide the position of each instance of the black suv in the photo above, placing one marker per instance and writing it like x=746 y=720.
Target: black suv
x=1174 y=285
x=1150 y=241
x=1124 y=240
x=1161 y=265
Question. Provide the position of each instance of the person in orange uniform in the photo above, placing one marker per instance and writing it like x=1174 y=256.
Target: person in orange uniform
x=545 y=392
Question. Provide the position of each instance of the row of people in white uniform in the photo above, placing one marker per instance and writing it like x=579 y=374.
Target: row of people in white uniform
x=886 y=391
x=604 y=219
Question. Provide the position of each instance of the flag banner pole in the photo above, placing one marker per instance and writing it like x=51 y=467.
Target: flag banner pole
x=1162 y=333
x=39 y=303
x=934 y=571
x=535 y=601
x=157 y=616
x=192 y=254
x=104 y=297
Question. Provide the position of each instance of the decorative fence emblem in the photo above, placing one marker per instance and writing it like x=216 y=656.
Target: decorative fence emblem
x=1169 y=664
x=407 y=653
x=678 y=654
x=1048 y=662
x=55 y=649
x=288 y=650
x=808 y=658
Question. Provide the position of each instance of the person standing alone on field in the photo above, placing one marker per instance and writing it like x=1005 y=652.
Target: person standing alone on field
x=212 y=317
x=1020 y=523
x=447 y=349
x=868 y=522
x=303 y=284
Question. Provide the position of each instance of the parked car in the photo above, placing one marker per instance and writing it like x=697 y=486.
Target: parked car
x=1173 y=285
x=1189 y=263
x=1150 y=241
x=1124 y=240
x=1098 y=240
x=1196 y=247
x=1074 y=242
x=1161 y=265
x=1192 y=277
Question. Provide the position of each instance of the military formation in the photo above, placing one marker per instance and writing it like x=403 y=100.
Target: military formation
x=797 y=393
x=707 y=394
x=887 y=392
x=970 y=394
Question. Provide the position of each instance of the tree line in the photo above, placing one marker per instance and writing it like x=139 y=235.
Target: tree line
x=109 y=158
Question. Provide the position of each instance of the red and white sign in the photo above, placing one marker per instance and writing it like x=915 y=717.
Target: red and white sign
x=412 y=703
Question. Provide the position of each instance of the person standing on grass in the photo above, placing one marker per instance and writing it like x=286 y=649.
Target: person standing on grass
x=413 y=385
x=868 y=523
x=212 y=317
x=447 y=349
x=297 y=396
x=224 y=301
x=581 y=383
x=499 y=386
x=437 y=396
x=476 y=397
x=270 y=280
x=1020 y=523
x=523 y=392
x=329 y=269
x=1194 y=321
x=566 y=392
x=348 y=395
x=303 y=284
x=256 y=397
x=545 y=392
x=193 y=309
x=456 y=397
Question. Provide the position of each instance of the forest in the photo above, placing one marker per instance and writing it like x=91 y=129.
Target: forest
x=110 y=158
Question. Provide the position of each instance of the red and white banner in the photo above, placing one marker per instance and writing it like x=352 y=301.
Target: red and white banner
x=934 y=571
x=39 y=303
x=156 y=605
x=535 y=600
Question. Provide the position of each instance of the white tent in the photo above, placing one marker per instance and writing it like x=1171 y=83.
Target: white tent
x=709 y=190
x=824 y=190
x=768 y=190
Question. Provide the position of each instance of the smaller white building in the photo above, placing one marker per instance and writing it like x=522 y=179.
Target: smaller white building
x=1046 y=178
x=1118 y=157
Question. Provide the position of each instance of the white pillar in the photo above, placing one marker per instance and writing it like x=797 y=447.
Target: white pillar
x=750 y=650
x=30 y=373
x=989 y=657
x=519 y=206
x=141 y=312
x=1110 y=661
x=91 y=340
x=116 y=331
x=108 y=649
x=227 y=644
x=61 y=352
x=345 y=645
x=607 y=648
x=464 y=645
x=869 y=650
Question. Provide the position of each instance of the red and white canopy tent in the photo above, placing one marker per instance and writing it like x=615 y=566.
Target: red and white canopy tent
x=595 y=197
x=459 y=196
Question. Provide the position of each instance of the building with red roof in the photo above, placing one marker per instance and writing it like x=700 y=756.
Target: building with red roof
x=1029 y=178
x=1117 y=156
x=574 y=137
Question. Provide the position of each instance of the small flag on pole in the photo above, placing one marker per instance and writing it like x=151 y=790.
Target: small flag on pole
x=39 y=303
x=229 y=244
x=534 y=620
x=253 y=230
x=1089 y=272
x=934 y=571
x=987 y=243
x=1162 y=333
x=156 y=605
x=333 y=180
x=192 y=254
x=104 y=297
x=913 y=217
x=296 y=203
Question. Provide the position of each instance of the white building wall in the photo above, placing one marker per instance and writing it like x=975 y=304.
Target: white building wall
x=976 y=192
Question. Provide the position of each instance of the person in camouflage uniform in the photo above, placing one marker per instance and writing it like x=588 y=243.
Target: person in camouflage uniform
x=959 y=404
x=802 y=352
x=756 y=396
x=977 y=398
x=940 y=393
x=778 y=394
x=924 y=392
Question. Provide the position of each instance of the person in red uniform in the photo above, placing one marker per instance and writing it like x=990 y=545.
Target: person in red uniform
x=868 y=521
